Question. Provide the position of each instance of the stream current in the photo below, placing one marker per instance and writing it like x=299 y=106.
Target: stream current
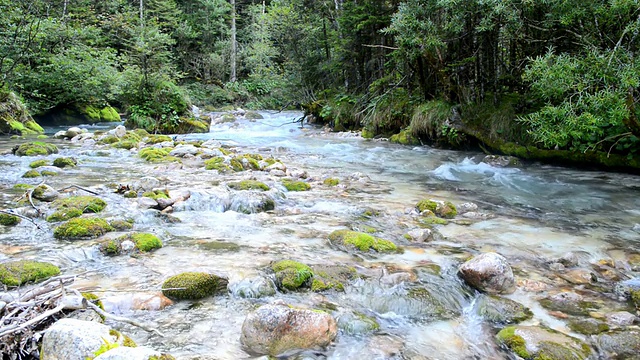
x=537 y=214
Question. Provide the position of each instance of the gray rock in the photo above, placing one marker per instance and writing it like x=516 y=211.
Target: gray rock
x=623 y=288
x=276 y=166
x=298 y=173
x=278 y=173
x=621 y=318
x=60 y=135
x=184 y=150
x=164 y=203
x=569 y=303
x=211 y=144
x=541 y=343
x=128 y=353
x=45 y=192
x=420 y=235
x=489 y=272
x=120 y=131
x=618 y=344
x=210 y=153
x=73 y=132
x=253 y=288
x=250 y=202
x=147 y=203
x=275 y=329
x=146 y=183
x=71 y=339
x=82 y=137
x=466 y=207
x=502 y=310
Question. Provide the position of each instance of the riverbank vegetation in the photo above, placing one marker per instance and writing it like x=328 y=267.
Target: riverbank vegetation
x=511 y=76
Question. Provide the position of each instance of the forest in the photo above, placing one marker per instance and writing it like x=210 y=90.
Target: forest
x=554 y=80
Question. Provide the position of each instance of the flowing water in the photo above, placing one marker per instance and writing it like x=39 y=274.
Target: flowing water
x=537 y=213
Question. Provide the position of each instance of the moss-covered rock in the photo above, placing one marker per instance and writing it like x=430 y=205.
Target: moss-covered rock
x=619 y=344
x=64 y=214
x=82 y=228
x=246 y=162
x=156 y=194
x=14 y=116
x=292 y=185
x=252 y=115
x=529 y=342
x=23 y=187
x=331 y=277
x=38 y=163
x=217 y=163
x=16 y=273
x=587 y=326
x=156 y=139
x=111 y=247
x=88 y=204
x=248 y=185
x=35 y=148
x=351 y=240
x=569 y=303
x=145 y=242
x=426 y=204
x=9 y=220
x=30 y=174
x=291 y=275
x=357 y=323
x=502 y=310
x=63 y=162
x=95 y=114
x=193 y=286
x=404 y=137
x=121 y=225
x=331 y=181
x=152 y=154
x=444 y=209
x=48 y=173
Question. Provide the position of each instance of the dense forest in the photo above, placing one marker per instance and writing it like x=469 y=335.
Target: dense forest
x=553 y=79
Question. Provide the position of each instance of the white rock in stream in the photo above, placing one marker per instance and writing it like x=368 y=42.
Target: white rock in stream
x=71 y=339
x=146 y=183
x=466 y=208
x=420 y=235
x=489 y=272
x=184 y=150
x=120 y=131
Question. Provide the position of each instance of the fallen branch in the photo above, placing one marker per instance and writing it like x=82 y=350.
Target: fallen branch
x=123 y=319
x=80 y=188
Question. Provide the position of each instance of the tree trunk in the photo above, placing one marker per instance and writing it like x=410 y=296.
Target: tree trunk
x=234 y=49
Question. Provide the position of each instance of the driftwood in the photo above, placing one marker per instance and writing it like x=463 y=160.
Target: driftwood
x=24 y=316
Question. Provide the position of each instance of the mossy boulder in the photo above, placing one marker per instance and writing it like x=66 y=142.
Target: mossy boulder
x=193 y=286
x=246 y=162
x=331 y=181
x=82 y=228
x=587 y=326
x=111 y=247
x=64 y=214
x=217 y=163
x=248 y=185
x=404 y=137
x=95 y=114
x=619 y=344
x=353 y=240
x=291 y=275
x=292 y=185
x=157 y=194
x=63 y=162
x=121 y=225
x=88 y=204
x=35 y=148
x=443 y=209
x=30 y=174
x=15 y=117
x=530 y=342
x=9 y=220
x=156 y=139
x=252 y=115
x=502 y=310
x=16 y=273
x=145 y=242
x=569 y=303
x=331 y=277
x=426 y=204
x=152 y=154
x=38 y=163
x=44 y=192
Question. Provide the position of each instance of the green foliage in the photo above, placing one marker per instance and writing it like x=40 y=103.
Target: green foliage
x=17 y=273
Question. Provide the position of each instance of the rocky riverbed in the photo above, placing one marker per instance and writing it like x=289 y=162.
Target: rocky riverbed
x=262 y=238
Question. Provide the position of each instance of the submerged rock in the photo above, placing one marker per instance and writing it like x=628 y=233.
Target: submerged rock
x=193 y=286
x=253 y=288
x=276 y=329
x=618 y=344
x=531 y=342
x=587 y=326
x=356 y=323
x=250 y=202
x=488 y=272
x=353 y=240
x=501 y=161
x=502 y=310
x=568 y=303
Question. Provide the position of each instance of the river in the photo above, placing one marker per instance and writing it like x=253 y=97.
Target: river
x=534 y=213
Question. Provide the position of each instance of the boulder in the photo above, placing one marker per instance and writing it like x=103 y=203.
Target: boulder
x=420 y=235
x=621 y=318
x=348 y=240
x=502 y=310
x=184 y=150
x=120 y=131
x=73 y=132
x=276 y=329
x=71 y=339
x=466 y=207
x=193 y=286
x=146 y=183
x=568 y=303
x=618 y=344
x=488 y=272
x=45 y=192
x=253 y=288
x=532 y=342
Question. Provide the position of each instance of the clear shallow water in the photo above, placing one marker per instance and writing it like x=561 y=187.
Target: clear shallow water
x=539 y=213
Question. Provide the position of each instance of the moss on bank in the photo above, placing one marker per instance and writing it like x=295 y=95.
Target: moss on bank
x=14 y=116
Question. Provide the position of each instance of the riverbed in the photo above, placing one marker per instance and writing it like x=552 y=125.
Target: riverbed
x=531 y=213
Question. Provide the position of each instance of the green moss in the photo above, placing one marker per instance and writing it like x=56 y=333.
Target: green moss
x=16 y=273
x=109 y=114
x=248 y=185
x=111 y=247
x=35 y=148
x=88 y=204
x=156 y=139
x=320 y=285
x=64 y=215
x=236 y=165
x=432 y=220
x=291 y=185
x=193 y=285
x=31 y=174
x=362 y=241
x=93 y=298
x=331 y=181
x=9 y=220
x=424 y=205
x=140 y=132
x=368 y=133
x=48 y=173
x=216 y=163
x=162 y=357
x=91 y=112
x=38 y=163
x=16 y=126
x=82 y=228
x=405 y=138
x=63 y=162
x=121 y=225
x=145 y=242
x=156 y=194
x=23 y=187
x=152 y=154
x=291 y=275
x=125 y=144
x=130 y=194
x=588 y=326
x=635 y=298
x=446 y=210
x=109 y=139
x=508 y=338
x=34 y=128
